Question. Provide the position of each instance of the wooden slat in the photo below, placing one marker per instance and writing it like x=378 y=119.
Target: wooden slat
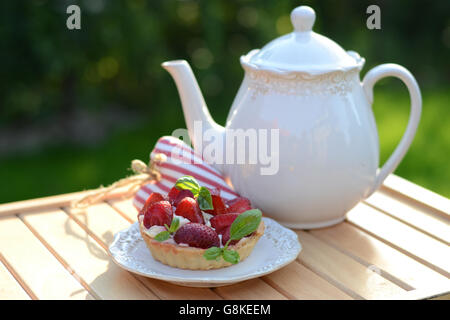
x=39 y=204
x=125 y=207
x=39 y=269
x=102 y=220
x=347 y=274
x=10 y=289
x=254 y=289
x=438 y=296
x=412 y=213
x=53 y=201
x=417 y=193
x=94 y=219
x=435 y=293
x=295 y=281
x=394 y=265
x=86 y=257
x=169 y=291
x=427 y=250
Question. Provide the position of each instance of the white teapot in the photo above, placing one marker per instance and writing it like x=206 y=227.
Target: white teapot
x=306 y=86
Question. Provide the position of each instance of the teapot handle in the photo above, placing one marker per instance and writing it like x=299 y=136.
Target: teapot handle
x=395 y=70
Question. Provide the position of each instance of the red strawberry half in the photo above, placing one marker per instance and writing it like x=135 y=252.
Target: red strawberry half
x=173 y=193
x=154 y=197
x=159 y=213
x=225 y=232
x=218 y=203
x=222 y=221
x=181 y=195
x=238 y=205
x=189 y=209
x=197 y=235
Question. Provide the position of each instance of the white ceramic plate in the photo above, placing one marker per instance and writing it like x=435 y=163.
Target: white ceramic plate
x=275 y=249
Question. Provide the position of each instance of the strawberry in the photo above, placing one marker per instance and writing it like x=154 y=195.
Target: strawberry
x=197 y=235
x=222 y=221
x=238 y=205
x=159 y=213
x=181 y=195
x=173 y=193
x=189 y=209
x=218 y=203
x=154 y=197
x=225 y=232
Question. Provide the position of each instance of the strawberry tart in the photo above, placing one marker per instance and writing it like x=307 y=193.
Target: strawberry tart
x=194 y=228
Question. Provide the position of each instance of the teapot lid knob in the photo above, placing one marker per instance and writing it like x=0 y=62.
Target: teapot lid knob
x=303 y=18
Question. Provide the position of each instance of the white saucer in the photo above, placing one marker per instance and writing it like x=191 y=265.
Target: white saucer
x=276 y=248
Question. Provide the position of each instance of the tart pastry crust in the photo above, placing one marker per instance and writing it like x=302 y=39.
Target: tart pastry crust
x=192 y=258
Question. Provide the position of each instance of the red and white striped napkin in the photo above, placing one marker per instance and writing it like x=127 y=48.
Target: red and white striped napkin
x=183 y=163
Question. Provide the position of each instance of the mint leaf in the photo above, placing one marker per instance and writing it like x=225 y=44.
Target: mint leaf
x=212 y=253
x=204 y=199
x=174 y=225
x=245 y=223
x=162 y=236
x=231 y=256
x=188 y=183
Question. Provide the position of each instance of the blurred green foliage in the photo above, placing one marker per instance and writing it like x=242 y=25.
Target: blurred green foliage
x=49 y=71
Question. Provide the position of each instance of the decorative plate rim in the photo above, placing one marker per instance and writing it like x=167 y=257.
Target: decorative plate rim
x=120 y=256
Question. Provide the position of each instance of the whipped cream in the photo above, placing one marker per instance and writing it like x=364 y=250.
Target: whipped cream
x=182 y=219
x=153 y=231
x=170 y=240
x=207 y=217
x=220 y=240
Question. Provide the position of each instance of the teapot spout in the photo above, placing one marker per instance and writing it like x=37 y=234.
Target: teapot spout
x=194 y=107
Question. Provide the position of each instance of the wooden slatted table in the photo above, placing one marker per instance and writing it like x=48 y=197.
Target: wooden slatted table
x=395 y=245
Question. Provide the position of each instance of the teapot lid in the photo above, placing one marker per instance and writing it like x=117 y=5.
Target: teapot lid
x=303 y=50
